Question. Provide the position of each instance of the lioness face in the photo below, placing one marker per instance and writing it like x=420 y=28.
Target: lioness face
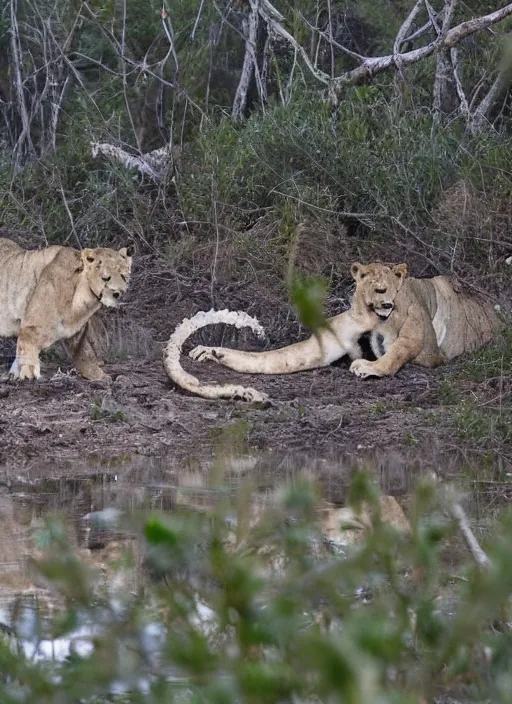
x=108 y=273
x=377 y=286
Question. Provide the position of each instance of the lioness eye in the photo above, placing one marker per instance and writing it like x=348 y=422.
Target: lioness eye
x=106 y=278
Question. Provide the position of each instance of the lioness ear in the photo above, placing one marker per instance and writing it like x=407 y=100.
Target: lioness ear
x=400 y=270
x=356 y=271
x=88 y=255
x=127 y=251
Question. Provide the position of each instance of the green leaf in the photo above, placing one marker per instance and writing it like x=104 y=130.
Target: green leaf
x=308 y=298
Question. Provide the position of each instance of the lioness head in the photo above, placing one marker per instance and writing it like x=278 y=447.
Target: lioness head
x=377 y=286
x=107 y=272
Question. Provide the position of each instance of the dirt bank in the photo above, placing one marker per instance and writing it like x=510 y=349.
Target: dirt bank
x=64 y=420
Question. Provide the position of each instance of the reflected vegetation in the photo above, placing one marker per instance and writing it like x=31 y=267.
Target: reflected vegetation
x=130 y=484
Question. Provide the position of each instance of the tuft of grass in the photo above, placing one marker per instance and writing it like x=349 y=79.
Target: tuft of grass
x=411 y=440
x=493 y=361
x=480 y=425
x=478 y=390
x=97 y=413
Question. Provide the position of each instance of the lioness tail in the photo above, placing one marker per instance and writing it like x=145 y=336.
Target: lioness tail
x=172 y=353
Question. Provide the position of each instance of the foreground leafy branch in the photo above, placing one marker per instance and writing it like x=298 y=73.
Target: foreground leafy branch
x=245 y=610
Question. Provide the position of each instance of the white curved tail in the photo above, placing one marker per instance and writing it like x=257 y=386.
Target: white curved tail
x=184 y=330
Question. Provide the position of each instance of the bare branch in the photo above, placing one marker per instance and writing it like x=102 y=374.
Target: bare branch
x=331 y=40
x=474 y=548
x=373 y=66
x=449 y=11
x=465 y=29
x=464 y=107
x=433 y=17
x=421 y=30
x=56 y=111
x=443 y=83
x=18 y=84
x=69 y=213
x=196 y=23
x=289 y=83
x=273 y=19
x=481 y=114
x=329 y=12
x=263 y=74
x=406 y=27
x=124 y=79
x=169 y=33
x=250 y=64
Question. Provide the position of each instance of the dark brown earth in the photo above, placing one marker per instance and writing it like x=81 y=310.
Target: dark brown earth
x=64 y=420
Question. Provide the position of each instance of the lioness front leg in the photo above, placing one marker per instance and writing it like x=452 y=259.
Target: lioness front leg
x=26 y=364
x=82 y=351
x=404 y=349
x=399 y=353
x=317 y=351
x=364 y=368
x=298 y=357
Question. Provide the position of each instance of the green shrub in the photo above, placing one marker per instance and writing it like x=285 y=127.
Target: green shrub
x=389 y=172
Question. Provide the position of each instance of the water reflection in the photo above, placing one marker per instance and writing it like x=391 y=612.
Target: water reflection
x=131 y=483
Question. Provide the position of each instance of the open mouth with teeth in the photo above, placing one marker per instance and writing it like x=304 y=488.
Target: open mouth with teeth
x=384 y=310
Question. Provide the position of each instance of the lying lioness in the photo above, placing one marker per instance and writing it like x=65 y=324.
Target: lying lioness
x=426 y=321
x=50 y=294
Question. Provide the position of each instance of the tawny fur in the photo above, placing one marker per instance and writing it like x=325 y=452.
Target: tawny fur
x=51 y=294
x=340 y=337
x=432 y=322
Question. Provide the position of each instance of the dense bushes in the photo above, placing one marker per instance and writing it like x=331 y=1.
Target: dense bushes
x=389 y=179
x=386 y=169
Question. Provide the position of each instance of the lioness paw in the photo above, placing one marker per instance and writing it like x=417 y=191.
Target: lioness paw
x=204 y=354
x=96 y=374
x=363 y=368
x=25 y=371
x=249 y=395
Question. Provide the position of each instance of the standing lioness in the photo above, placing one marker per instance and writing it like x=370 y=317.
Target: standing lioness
x=50 y=294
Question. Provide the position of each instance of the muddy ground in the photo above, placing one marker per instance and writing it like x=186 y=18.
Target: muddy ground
x=63 y=420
